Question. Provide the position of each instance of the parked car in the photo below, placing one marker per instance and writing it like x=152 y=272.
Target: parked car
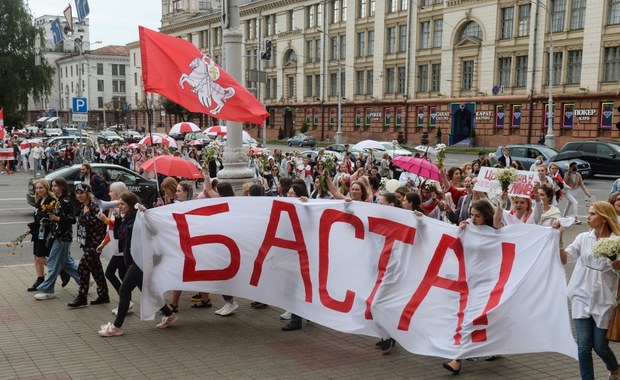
x=132 y=136
x=146 y=189
x=602 y=155
x=341 y=148
x=52 y=132
x=392 y=148
x=109 y=137
x=301 y=140
x=197 y=136
x=526 y=154
x=62 y=141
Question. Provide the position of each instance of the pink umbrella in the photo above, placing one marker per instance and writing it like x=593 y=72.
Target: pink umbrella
x=418 y=166
x=165 y=140
x=216 y=130
x=133 y=146
x=184 y=127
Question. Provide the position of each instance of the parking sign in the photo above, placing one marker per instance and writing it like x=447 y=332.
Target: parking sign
x=82 y=9
x=80 y=105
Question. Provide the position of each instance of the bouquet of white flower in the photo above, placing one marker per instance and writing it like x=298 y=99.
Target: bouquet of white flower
x=607 y=247
x=506 y=177
x=441 y=154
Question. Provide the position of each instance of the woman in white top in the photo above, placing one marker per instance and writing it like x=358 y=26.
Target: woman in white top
x=550 y=213
x=592 y=289
x=572 y=181
x=614 y=200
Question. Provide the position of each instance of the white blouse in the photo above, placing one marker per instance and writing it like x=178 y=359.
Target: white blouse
x=593 y=285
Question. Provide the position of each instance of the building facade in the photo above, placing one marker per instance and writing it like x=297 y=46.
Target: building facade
x=398 y=68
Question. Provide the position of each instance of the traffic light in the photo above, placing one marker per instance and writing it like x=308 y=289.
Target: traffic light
x=618 y=123
x=266 y=55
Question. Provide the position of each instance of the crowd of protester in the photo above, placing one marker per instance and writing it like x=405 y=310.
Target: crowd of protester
x=452 y=200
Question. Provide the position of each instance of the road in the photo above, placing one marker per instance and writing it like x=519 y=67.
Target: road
x=15 y=212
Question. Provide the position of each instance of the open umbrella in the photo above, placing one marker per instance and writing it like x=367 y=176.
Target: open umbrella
x=172 y=166
x=133 y=146
x=368 y=144
x=418 y=166
x=165 y=140
x=216 y=130
x=184 y=127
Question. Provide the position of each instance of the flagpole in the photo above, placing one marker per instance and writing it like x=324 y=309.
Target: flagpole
x=150 y=114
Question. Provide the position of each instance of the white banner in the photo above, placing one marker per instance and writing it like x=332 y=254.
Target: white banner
x=365 y=269
x=487 y=182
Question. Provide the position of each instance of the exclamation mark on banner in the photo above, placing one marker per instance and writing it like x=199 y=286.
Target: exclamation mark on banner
x=508 y=258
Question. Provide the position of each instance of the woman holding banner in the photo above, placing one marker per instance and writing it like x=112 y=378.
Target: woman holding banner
x=550 y=213
x=593 y=288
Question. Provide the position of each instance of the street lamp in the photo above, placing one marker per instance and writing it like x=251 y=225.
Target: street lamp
x=339 y=130
x=550 y=137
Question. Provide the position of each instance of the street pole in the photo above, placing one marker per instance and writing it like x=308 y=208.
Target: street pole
x=550 y=137
x=339 y=130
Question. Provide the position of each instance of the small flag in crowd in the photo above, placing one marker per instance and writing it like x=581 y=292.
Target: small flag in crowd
x=179 y=71
x=3 y=134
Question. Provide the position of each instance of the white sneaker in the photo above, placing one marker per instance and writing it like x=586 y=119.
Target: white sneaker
x=110 y=330
x=166 y=321
x=44 y=296
x=228 y=309
x=129 y=311
x=219 y=311
x=286 y=315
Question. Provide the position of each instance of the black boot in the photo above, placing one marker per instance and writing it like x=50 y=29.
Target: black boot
x=100 y=300
x=36 y=284
x=64 y=276
x=79 y=301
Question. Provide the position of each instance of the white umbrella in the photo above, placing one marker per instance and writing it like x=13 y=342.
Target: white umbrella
x=425 y=149
x=216 y=130
x=368 y=144
x=184 y=127
x=165 y=140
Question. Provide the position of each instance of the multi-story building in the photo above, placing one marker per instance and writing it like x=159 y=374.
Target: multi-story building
x=400 y=68
x=100 y=76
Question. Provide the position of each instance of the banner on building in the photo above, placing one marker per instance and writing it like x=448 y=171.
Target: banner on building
x=516 y=116
x=420 y=118
x=607 y=114
x=568 y=115
x=500 y=116
x=365 y=269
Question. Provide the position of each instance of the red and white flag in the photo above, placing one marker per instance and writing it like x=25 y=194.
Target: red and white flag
x=3 y=134
x=69 y=17
x=179 y=71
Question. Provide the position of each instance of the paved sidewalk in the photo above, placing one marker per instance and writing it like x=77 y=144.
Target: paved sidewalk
x=46 y=340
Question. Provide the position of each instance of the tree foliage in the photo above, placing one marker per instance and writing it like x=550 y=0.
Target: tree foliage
x=172 y=108
x=19 y=77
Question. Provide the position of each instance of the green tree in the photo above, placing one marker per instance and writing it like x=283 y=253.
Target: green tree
x=19 y=76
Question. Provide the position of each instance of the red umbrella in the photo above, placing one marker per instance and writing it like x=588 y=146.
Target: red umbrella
x=165 y=140
x=216 y=130
x=184 y=127
x=172 y=166
x=419 y=166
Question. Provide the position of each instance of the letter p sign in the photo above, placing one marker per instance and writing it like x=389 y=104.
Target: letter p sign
x=80 y=105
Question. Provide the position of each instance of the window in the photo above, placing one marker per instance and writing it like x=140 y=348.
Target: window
x=115 y=86
x=317 y=85
x=310 y=19
x=100 y=85
x=99 y=69
x=402 y=80
x=573 y=68
x=612 y=64
x=371 y=43
x=425 y=34
x=135 y=79
x=334 y=49
x=274 y=88
x=504 y=65
x=336 y=11
x=437 y=32
x=333 y=81
x=402 y=38
x=577 y=14
x=558 y=15
x=390 y=45
x=613 y=12
x=471 y=30
x=369 y=81
x=423 y=77
x=507 y=22
x=317 y=45
x=361 y=48
x=135 y=98
x=121 y=86
x=291 y=87
x=359 y=82
x=309 y=81
x=436 y=76
x=524 y=20
x=389 y=80
x=343 y=48
x=392 y=4
x=100 y=102
x=342 y=83
x=557 y=68
x=372 y=8
x=361 y=10
x=468 y=75
x=319 y=15
x=404 y=5
x=291 y=20
x=114 y=69
x=309 y=45
x=521 y=69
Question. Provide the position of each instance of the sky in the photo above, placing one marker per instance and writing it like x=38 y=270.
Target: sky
x=114 y=22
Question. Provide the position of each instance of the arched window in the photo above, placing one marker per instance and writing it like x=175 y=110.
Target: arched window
x=471 y=30
x=290 y=57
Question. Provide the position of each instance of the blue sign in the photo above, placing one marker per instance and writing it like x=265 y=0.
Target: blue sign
x=80 y=105
x=57 y=31
x=81 y=6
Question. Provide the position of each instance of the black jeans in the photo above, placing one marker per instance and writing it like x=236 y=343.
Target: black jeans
x=116 y=263
x=132 y=279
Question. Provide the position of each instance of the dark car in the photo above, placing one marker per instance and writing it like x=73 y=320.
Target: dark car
x=301 y=140
x=144 y=188
x=602 y=155
x=526 y=154
x=109 y=137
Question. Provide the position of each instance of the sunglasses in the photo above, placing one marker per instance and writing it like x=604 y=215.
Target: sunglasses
x=79 y=192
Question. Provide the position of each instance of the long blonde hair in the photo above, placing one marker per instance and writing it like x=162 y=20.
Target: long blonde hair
x=608 y=212
x=47 y=187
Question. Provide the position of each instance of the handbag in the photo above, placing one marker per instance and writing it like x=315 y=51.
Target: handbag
x=613 y=332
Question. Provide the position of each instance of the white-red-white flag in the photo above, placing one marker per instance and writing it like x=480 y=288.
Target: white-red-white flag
x=69 y=17
x=3 y=134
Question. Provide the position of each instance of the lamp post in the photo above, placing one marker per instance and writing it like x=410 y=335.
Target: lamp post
x=550 y=137
x=339 y=130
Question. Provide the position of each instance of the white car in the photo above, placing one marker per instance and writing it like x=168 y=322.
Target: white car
x=52 y=132
x=393 y=149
